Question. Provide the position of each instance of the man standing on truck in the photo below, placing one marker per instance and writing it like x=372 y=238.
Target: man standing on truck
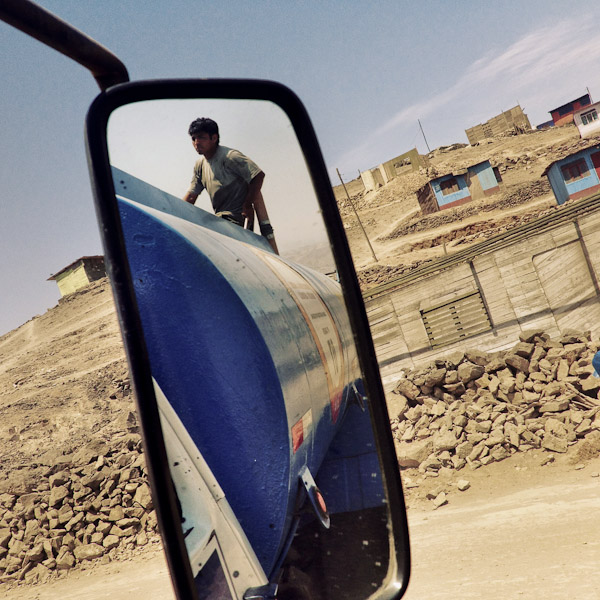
x=232 y=180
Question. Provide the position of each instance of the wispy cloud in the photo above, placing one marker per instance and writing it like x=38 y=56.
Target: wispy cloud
x=544 y=68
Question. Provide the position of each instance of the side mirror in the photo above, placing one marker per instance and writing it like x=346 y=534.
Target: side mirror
x=267 y=438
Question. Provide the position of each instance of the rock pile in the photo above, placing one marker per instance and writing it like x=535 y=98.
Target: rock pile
x=541 y=157
x=474 y=408
x=511 y=197
x=379 y=274
x=95 y=503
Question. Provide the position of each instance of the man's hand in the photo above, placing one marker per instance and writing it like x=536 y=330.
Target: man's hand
x=248 y=210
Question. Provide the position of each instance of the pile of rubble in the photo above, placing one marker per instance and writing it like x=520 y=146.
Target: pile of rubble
x=514 y=196
x=94 y=504
x=379 y=274
x=542 y=157
x=473 y=408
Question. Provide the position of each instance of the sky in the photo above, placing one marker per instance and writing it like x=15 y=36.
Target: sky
x=366 y=72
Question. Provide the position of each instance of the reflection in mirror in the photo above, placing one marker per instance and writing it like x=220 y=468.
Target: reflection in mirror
x=264 y=416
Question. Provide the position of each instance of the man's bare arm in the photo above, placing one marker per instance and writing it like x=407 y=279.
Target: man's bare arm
x=253 y=192
x=190 y=197
x=258 y=204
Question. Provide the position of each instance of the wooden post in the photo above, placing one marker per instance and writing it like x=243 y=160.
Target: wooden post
x=357 y=217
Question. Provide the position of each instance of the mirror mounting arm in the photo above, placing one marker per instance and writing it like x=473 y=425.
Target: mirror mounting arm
x=45 y=27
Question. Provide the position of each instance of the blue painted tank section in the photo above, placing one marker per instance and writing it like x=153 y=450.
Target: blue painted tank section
x=210 y=370
x=350 y=476
x=236 y=352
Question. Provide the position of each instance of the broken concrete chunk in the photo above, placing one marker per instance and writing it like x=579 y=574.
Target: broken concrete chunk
x=554 y=443
x=553 y=406
x=468 y=371
x=477 y=357
x=523 y=349
x=518 y=363
x=440 y=500
x=407 y=388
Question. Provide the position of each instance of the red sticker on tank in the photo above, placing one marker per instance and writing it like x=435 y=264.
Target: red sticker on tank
x=297 y=435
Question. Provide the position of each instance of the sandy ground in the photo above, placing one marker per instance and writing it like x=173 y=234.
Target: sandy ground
x=521 y=531
x=145 y=577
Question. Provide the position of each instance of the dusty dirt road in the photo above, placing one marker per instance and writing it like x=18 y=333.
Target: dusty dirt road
x=538 y=542
x=519 y=532
x=146 y=578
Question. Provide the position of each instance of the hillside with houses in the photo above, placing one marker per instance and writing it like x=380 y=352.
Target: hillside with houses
x=403 y=237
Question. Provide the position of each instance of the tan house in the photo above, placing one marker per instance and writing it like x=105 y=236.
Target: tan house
x=79 y=274
x=405 y=163
x=513 y=120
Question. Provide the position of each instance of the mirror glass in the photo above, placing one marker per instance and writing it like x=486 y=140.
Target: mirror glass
x=265 y=419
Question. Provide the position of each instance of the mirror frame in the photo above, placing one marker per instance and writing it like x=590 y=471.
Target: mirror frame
x=164 y=498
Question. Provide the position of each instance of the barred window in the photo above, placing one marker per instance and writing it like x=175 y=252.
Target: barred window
x=455 y=320
x=589 y=117
x=575 y=170
x=449 y=186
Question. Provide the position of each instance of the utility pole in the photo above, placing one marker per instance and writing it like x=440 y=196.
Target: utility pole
x=428 y=148
x=360 y=177
x=357 y=217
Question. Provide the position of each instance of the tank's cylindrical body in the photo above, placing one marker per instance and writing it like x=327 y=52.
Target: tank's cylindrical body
x=254 y=353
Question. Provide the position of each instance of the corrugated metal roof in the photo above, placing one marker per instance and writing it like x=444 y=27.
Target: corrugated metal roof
x=571 y=102
x=586 y=108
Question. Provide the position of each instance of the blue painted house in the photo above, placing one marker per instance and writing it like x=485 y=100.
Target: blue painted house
x=453 y=189
x=575 y=176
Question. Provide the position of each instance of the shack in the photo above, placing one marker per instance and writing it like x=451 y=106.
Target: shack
x=79 y=274
x=576 y=175
x=408 y=162
x=563 y=115
x=587 y=121
x=446 y=191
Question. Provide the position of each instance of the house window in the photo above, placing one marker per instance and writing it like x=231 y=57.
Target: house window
x=456 y=320
x=589 y=117
x=575 y=170
x=402 y=163
x=449 y=186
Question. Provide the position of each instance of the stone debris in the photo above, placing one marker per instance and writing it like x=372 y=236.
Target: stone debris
x=440 y=500
x=94 y=505
x=471 y=408
x=463 y=485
